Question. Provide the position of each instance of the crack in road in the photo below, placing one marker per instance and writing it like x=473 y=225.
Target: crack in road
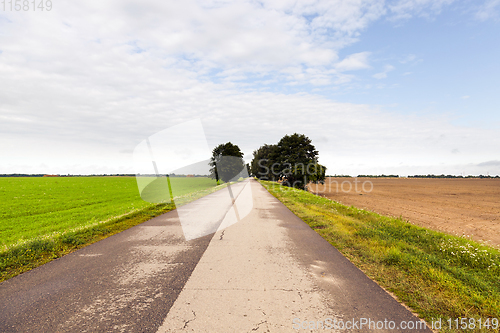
x=258 y=325
x=190 y=320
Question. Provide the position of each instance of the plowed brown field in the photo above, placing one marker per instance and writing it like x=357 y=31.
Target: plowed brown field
x=469 y=207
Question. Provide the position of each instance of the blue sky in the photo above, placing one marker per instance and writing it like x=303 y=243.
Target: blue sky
x=401 y=87
x=447 y=64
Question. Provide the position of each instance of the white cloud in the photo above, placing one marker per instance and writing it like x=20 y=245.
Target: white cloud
x=411 y=60
x=488 y=10
x=89 y=80
x=495 y=163
x=408 y=58
x=354 y=61
x=465 y=97
x=383 y=75
x=248 y=35
x=93 y=134
x=404 y=9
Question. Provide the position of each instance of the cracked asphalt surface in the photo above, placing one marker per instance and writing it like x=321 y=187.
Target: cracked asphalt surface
x=264 y=273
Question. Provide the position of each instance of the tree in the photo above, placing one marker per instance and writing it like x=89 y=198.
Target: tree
x=298 y=160
x=294 y=161
x=226 y=162
x=318 y=175
x=263 y=160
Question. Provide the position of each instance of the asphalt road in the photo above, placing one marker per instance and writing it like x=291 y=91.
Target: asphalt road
x=250 y=265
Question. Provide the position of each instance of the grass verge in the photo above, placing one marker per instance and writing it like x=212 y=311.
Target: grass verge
x=435 y=274
x=35 y=252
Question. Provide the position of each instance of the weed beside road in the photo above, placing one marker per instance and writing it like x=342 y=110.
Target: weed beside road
x=435 y=274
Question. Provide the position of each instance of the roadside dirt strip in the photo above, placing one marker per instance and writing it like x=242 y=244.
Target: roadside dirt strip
x=263 y=272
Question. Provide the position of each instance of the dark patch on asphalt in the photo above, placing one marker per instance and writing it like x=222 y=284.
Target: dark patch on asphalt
x=125 y=283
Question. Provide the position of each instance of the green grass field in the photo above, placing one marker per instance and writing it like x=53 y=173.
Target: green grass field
x=437 y=275
x=45 y=218
x=35 y=207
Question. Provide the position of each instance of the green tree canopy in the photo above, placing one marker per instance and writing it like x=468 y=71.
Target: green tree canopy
x=297 y=159
x=263 y=159
x=294 y=160
x=226 y=162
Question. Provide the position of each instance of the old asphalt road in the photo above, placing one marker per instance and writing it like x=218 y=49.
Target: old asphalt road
x=267 y=273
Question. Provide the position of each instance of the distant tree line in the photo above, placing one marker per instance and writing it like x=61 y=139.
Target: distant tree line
x=96 y=175
x=378 y=176
x=172 y=175
x=340 y=176
x=69 y=175
x=452 y=176
x=293 y=161
x=417 y=176
x=21 y=175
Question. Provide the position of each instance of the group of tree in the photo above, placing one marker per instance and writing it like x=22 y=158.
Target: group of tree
x=292 y=161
